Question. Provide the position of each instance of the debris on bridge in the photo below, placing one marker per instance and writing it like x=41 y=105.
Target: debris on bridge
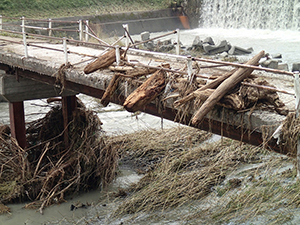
x=102 y=61
x=147 y=92
x=237 y=89
x=47 y=171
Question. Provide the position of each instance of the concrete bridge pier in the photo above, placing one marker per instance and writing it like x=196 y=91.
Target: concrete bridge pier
x=69 y=104
x=17 y=122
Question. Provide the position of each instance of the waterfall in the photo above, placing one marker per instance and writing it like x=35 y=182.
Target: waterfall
x=251 y=14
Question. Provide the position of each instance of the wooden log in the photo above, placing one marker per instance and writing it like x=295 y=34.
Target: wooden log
x=210 y=85
x=102 y=61
x=224 y=87
x=231 y=101
x=112 y=86
x=145 y=93
x=140 y=71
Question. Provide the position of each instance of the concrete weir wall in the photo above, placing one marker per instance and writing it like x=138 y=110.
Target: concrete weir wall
x=152 y=21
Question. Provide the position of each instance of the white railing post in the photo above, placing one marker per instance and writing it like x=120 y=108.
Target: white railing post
x=0 y=22
x=80 y=30
x=126 y=34
x=50 y=28
x=23 y=24
x=86 y=30
x=24 y=37
x=297 y=107
x=177 y=42
x=118 y=55
x=65 y=50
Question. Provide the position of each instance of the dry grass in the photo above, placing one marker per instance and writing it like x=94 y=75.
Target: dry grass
x=47 y=170
x=268 y=193
x=178 y=169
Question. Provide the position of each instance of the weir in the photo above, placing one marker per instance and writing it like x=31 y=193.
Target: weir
x=266 y=14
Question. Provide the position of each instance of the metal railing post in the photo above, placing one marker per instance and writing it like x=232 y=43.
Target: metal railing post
x=80 y=30
x=177 y=42
x=24 y=37
x=50 y=28
x=65 y=50
x=23 y=24
x=118 y=55
x=0 y=22
x=86 y=30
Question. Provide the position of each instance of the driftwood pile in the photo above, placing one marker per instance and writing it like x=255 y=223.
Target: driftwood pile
x=47 y=170
x=226 y=90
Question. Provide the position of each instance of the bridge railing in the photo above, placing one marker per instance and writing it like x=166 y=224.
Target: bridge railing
x=26 y=29
x=78 y=27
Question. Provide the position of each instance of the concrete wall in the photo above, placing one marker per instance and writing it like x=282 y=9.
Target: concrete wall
x=152 y=21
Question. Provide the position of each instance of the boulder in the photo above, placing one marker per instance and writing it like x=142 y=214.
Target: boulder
x=209 y=41
x=149 y=45
x=235 y=50
x=165 y=48
x=223 y=46
x=277 y=56
x=296 y=67
x=270 y=63
x=145 y=36
x=223 y=55
x=197 y=42
x=283 y=66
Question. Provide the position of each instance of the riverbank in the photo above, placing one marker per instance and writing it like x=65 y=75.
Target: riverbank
x=60 y=8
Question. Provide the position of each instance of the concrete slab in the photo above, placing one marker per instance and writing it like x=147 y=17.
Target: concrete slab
x=16 y=89
x=44 y=65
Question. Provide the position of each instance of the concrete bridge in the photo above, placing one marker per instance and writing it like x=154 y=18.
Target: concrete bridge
x=35 y=75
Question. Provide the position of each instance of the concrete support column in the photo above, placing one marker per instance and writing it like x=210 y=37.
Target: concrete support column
x=69 y=104
x=17 y=122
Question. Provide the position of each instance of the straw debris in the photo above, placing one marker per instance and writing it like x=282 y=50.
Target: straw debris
x=179 y=171
x=47 y=170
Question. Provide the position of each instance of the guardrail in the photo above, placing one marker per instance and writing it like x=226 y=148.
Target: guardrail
x=84 y=30
x=48 y=25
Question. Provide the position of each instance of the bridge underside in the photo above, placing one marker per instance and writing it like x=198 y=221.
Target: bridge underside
x=236 y=132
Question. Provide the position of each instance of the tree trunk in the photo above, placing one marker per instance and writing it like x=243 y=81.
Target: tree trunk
x=224 y=87
x=213 y=84
x=102 y=61
x=145 y=93
x=112 y=86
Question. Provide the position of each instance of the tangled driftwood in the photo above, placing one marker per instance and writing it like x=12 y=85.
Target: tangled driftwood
x=46 y=171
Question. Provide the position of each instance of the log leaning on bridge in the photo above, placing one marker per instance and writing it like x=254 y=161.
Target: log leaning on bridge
x=102 y=61
x=224 y=87
x=145 y=93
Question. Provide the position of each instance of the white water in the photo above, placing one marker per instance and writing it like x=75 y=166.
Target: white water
x=251 y=14
x=270 y=25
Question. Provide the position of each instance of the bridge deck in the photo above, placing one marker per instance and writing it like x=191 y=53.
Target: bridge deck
x=42 y=65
